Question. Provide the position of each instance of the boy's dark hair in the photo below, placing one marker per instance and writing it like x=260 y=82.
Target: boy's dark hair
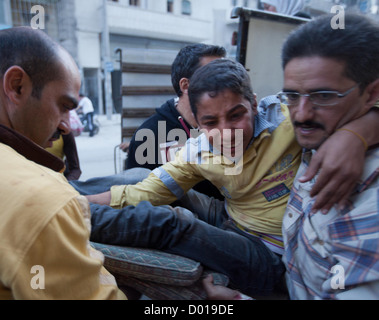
x=357 y=45
x=217 y=76
x=33 y=51
x=188 y=61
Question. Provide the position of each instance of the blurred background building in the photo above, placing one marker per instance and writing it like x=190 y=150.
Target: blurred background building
x=147 y=31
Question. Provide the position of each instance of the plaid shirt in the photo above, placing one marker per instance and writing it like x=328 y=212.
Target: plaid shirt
x=334 y=256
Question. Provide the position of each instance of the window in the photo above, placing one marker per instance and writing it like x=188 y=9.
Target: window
x=170 y=6
x=186 y=7
x=135 y=3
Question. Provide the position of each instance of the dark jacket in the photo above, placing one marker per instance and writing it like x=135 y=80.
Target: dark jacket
x=170 y=116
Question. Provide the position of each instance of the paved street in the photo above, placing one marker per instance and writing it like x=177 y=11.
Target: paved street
x=96 y=154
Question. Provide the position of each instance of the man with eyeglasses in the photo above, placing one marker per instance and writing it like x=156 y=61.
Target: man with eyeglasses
x=328 y=83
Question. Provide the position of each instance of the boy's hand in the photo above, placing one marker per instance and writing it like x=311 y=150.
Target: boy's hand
x=215 y=292
x=101 y=199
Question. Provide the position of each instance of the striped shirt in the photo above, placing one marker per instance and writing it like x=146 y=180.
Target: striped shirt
x=334 y=256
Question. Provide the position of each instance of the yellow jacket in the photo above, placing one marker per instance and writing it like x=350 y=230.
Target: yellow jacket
x=44 y=232
x=256 y=198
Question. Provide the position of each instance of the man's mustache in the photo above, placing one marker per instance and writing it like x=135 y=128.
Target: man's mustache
x=308 y=124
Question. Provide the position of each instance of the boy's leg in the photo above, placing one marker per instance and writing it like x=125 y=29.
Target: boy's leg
x=250 y=265
x=207 y=209
x=222 y=247
x=104 y=184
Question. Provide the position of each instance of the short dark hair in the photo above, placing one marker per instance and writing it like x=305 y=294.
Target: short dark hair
x=217 y=76
x=33 y=51
x=357 y=45
x=188 y=61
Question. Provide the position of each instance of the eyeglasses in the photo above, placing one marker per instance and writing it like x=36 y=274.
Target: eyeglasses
x=319 y=98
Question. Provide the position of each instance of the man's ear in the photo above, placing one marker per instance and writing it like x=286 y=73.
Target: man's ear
x=372 y=94
x=184 y=85
x=16 y=84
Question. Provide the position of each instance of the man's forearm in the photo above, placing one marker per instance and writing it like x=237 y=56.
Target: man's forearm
x=101 y=199
x=366 y=126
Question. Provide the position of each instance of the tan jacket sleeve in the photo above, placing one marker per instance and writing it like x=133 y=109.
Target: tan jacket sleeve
x=61 y=265
x=163 y=186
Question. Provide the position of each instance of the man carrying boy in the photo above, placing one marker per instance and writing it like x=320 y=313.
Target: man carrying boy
x=328 y=83
x=252 y=158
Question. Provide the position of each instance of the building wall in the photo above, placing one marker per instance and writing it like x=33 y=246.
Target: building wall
x=67 y=25
x=147 y=33
x=89 y=25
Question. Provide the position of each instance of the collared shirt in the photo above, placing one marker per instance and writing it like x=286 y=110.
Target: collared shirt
x=334 y=256
x=45 y=228
x=256 y=187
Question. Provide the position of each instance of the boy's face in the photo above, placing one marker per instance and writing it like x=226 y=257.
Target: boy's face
x=228 y=121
